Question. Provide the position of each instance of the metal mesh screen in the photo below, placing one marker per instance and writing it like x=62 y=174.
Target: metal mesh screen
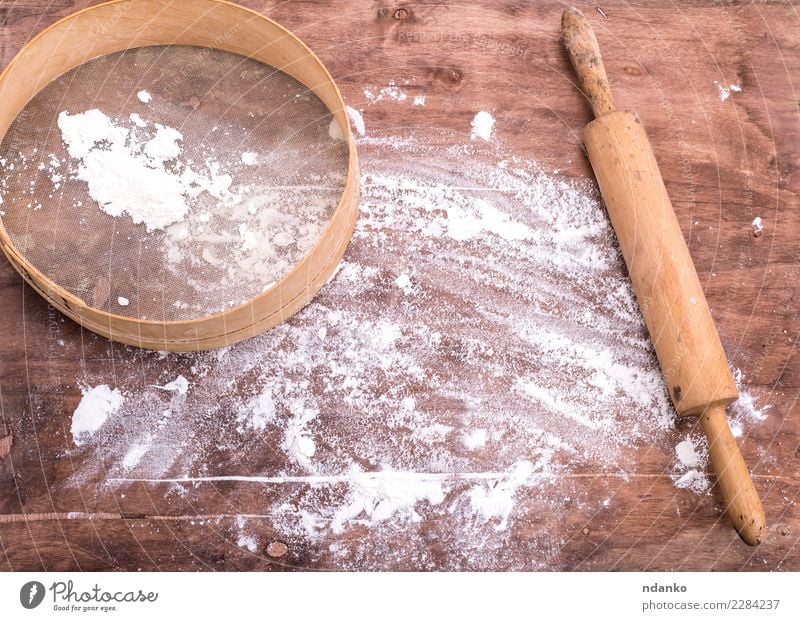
x=270 y=170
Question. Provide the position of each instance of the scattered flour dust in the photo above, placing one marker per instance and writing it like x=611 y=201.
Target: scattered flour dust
x=478 y=349
x=497 y=500
x=135 y=453
x=257 y=413
x=390 y=92
x=378 y=499
x=745 y=411
x=96 y=405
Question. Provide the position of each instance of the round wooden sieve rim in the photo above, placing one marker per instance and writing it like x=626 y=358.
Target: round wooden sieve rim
x=126 y=24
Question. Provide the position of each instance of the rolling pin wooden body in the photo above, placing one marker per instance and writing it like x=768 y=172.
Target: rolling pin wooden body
x=661 y=269
x=667 y=288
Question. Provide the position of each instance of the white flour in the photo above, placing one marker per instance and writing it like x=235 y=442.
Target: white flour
x=689 y=470
x=128 y=174
x=248 y=542
x=251 y=244
x=334 y=131
x=475 y=439
x=257 y=413
x=137 y=120
x=135 y=453
x=357 y=120
x=687 y=454
x=497 y=499
x=376 y=500
x=403 y=281
x=482 y=126
x=96 y=405
x=724 y=92
x=744 y=412
x=179 y=385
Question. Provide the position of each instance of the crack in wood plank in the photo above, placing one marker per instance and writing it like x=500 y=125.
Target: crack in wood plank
x=10 y=518
x=422 y=476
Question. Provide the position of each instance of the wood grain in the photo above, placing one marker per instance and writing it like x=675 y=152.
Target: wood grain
x=724 y=163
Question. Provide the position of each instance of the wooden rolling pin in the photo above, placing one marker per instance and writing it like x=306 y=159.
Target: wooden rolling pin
x=663 y=275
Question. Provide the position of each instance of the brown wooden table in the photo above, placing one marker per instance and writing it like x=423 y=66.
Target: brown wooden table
x=743 y=160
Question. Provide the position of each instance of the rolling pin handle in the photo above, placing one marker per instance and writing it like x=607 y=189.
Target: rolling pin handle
x=584 y=53
x=735 y=485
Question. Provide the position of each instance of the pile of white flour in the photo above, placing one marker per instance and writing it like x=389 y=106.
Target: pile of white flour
x=135 y=170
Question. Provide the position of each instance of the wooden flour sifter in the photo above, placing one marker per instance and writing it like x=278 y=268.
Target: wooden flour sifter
x=663 y=275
